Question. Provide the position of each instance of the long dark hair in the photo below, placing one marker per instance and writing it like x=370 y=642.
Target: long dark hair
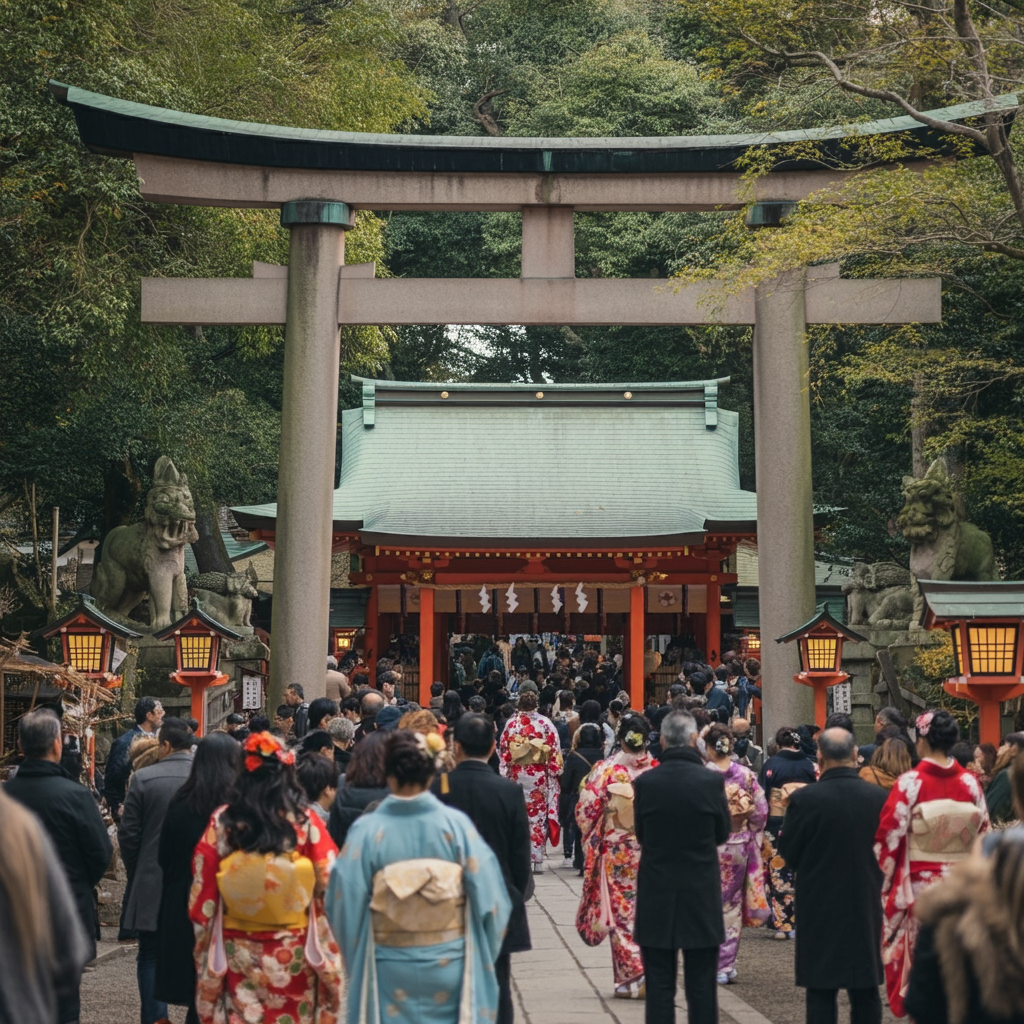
x=366 y=768
x=215 y=768
x=267 y=805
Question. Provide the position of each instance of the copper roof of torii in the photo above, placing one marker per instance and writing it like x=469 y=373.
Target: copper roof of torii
x=123 y=128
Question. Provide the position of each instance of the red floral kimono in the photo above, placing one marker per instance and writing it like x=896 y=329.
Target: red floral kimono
x=928 y=823
x=264 y=950
x=529 y=753
x=604 y=815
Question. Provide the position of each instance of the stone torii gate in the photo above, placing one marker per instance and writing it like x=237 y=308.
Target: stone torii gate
x=319 y=179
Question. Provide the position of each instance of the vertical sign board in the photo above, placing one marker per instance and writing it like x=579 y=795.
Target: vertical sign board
x=842 y=698
x=252 y=691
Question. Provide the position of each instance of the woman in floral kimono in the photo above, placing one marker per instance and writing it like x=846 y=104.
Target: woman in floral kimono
x=789 y=769
x=264 y=950
x=418 y=902
x=604 y=815
x=739 y=857
x=529 y=753
x=930 y=821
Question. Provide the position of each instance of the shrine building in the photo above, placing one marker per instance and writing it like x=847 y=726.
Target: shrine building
x=632 y=508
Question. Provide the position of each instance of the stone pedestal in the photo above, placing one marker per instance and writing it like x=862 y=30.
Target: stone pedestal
x=861 y=662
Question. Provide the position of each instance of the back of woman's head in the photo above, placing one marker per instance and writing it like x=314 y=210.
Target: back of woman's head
x=589 y=711
x=787 y=738
x=589 y=735
x=268 y=803
x=528 y=700
x=23 y=857
x=939 y=730
x=366 y=766
x=407 y=759
x=633 y=732
x=215 y=768
x=451 y=705
x=891 y=757
x=719 y=739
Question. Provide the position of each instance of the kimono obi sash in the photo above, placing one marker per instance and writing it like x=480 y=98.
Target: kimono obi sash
x=418 y=902
x=524 y=750
x=943 y=830
x=266 y=891
x=778 y=799
x=619 y=812
x=741 y=803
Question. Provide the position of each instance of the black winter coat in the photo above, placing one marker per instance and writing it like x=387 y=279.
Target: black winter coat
x=496 y=807
x=681 y=817
x=828 y=838
x=175 y=969
x=349 y=803
x=73 y=822
x=578 y=764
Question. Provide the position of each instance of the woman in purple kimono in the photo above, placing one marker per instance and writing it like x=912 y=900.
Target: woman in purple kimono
x=739 y=857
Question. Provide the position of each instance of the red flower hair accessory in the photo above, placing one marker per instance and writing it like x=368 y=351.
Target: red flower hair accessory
x=924 y=723
x=261 y=747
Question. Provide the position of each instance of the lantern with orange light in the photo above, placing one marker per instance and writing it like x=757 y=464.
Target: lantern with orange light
x=821 y=656
x=88 y=639
x=984 y=622
x=197 y=640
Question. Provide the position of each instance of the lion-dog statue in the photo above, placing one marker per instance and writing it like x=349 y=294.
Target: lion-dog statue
x=227 y=597
x=148 y=558
x=879 y=594
x=942 y=546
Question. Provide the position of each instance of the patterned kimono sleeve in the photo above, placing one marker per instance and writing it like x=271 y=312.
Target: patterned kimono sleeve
x=893 y=826
x=504 y=755
x=316 y=843
x=593 y=798
x=320 y=849
x=204 y=895
x=555 y=762
x=758 y=817
x=978 y=796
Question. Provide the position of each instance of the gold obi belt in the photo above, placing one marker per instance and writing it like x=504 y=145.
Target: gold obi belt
x=265 y=892
x=529 y=751
x=418 y=903
x=943 y=830
x=778 y=799
x=619 y=813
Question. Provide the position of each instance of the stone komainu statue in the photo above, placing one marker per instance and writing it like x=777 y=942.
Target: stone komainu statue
x=879 y=594
x=148 y=558
x=942 y=547
x=227 y=596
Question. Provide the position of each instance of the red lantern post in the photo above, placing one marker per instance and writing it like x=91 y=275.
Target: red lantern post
x=821 y=657
x=197 y=640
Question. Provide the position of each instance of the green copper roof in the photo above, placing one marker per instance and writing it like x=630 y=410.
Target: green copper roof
x=946 y=600
x=511 y=469
x=121 y=128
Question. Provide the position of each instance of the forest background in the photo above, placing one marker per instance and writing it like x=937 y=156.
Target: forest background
x=89 y=396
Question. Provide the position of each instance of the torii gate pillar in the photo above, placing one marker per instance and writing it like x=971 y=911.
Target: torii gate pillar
x=309 y=426
x=785 y=496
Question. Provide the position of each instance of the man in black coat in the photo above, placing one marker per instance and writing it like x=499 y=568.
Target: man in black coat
x=828 y=840
x=681 y=818
x=496 y=807
x=71 y=818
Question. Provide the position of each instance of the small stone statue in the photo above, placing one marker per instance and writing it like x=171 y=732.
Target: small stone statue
x=942 y=547
x=148 y=558
x=879 y=594
x=227 y=596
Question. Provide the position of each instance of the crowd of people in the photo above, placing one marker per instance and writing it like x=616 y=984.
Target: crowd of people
x=358 y=857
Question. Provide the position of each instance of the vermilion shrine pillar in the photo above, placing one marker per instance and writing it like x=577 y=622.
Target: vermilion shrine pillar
x=785 y=499
x=713 y=628
x=427 y=630
x=309 y=425
x=635 y=650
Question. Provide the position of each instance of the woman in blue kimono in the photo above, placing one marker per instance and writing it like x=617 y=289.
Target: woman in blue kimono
x=418 y=903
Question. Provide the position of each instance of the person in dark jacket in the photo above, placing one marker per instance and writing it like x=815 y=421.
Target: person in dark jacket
x=780 y=776
x=495 y=806
x=588 y=749
x=999 y=795
x=295 y=698
x=149 y=714
x=364 y=784
x=145 y=808
x=215 y=767
x=681 y=817
x=71 y=819
x=829 y=835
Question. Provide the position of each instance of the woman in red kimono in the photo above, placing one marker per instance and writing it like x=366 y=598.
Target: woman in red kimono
x=264 y=950
x=529 y=753
x=932 y=816
x=604 y=815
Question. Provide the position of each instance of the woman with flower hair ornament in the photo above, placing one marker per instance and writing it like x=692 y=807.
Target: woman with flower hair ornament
x=740 y=860
x=604 y=814
x=929 y=822
x=418 y=902
x=264 y=950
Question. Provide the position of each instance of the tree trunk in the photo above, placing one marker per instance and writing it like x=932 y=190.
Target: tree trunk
x=211 y=554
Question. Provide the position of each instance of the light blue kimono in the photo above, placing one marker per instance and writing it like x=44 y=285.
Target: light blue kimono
x=447 y=983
